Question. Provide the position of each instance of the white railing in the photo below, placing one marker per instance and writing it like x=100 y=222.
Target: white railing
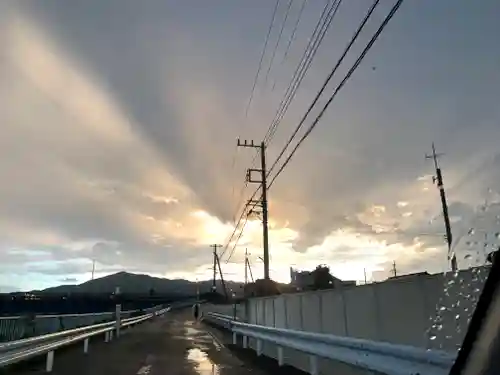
x=21 y=350
x=380 y=357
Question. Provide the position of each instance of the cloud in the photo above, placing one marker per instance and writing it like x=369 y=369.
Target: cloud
x=118 y=137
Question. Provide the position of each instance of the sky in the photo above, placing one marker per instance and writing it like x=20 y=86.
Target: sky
x=119 y=122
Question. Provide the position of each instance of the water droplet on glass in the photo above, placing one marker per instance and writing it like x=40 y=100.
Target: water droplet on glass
x=471 y=232
x=433 y=337
x=451 y=282
x=468 y=256
x=497 y=235
x=457 y=316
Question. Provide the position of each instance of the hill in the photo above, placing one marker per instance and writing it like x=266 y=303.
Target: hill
x=130 y=283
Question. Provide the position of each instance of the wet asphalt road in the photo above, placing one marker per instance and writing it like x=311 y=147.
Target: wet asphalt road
x=171 y=345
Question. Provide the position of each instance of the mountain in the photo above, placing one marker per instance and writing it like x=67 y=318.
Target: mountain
x=140 y=284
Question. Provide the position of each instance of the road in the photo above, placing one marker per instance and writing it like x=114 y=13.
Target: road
x=171 y=345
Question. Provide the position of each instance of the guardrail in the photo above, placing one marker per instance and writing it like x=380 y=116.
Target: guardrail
x=20 y=327
x=21 y=350
x=380 y=357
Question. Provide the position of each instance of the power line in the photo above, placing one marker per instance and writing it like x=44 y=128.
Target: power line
x=261 y=59
x=240 y=199
x=300 y=71
x=243 y=212
x=256 y=78
x=318 y=34
x=287 y=12
x=330 y=76
x=294 y=31
x=237 y=240
x=292 y=85
x=316 y=39
x=339 y=87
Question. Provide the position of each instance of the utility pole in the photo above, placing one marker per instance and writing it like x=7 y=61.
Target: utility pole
x=216 y=261
x=438 y=180
x=246 y=265
x=394 y=268
x=263 y=200
x=93 y=268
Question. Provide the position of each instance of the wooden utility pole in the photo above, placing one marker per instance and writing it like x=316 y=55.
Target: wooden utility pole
x=215 y=261
x=438 y=180
x=246 y=266
x=394 y=271
x=263 y=200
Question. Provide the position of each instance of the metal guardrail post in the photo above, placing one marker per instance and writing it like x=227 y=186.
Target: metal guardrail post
x=118 y=319
x=281 y=358
x=245 y=342
x=86 y=345
x=313 y=365
x=50 y=361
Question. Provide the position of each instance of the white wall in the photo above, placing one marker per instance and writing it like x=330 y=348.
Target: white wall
x=430 y=311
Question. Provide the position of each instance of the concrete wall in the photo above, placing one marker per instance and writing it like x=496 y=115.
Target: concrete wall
x=429 y=311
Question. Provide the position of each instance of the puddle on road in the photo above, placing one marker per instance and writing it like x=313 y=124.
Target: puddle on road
x=203 y=364
x=194 y=334
x=193 y=331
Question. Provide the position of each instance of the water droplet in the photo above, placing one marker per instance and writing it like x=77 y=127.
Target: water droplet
x=497 y=235
x=457 y=316
x=440 y=327
x=471 y=232
x=468 y=256
x=451 y=282
x=433 y=337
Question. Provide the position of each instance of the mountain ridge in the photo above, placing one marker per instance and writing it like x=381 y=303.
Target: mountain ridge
x=132 y=283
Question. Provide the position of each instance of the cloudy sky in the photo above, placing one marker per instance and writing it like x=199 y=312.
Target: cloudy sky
x=119 y=121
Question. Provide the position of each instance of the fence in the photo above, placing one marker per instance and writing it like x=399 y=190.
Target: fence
x=19 y=327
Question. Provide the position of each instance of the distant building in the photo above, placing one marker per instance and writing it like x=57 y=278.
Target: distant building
x=307 y=280
x=301 y=279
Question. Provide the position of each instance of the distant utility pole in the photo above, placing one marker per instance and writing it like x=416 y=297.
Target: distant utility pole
x=246 y=266
x=394 y=271
x=93 y=268
x=438 y=179
x=263 y=200
x=216 y=261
